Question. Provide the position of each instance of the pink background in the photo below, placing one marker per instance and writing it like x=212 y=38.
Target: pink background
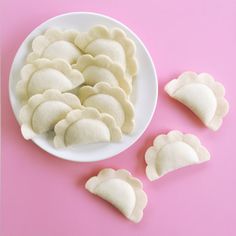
x=42 y=195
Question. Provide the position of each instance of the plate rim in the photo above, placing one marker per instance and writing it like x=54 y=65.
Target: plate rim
x=156 y=90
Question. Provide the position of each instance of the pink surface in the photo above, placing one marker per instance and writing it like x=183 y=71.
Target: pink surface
x=42 y=195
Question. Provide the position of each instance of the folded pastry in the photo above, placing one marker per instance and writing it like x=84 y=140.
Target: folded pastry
x=102 y=69
x=203 y=95
x=55 y=43
x=111 y=42
x=43 y=111
x=86 y=126
x=43 y=74
x=110 y=100
x=173 y=151
x=120 y=189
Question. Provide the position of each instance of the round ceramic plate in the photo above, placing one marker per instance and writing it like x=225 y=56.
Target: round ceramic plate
x=144 y=97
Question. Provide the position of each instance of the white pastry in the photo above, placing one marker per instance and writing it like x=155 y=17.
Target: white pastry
x=45 y=74
x=102 y=69
x=172 y=151
x=203 y=95
x=55 y=43
x=43 y=111
x=121 y=190
x=84 y=127
x=111 y=42
x=109 y=100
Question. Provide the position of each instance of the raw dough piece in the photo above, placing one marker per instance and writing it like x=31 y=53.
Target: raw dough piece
x=109 y=100
x=173 y=151
x=55 y=43
x=86 y=126
x=43 y=111
x=102 y=69
x=45 y=74
x=203 y=95
x=120 y=189
x=111 y=42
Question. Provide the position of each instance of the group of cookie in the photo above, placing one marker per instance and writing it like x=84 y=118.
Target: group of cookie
x=78 y=84
x=101 y=62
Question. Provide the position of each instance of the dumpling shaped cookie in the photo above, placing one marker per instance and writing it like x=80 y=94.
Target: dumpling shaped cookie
x=55 y=43
x=111 y=42
x=203 y=95
x=43 y=111
x=86 y=126
x=120 y=189
x=110 y=100
x=102 y=69
x=43 y=74
x=173 y=151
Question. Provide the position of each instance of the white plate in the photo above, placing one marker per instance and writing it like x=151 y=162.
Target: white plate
x=145 y=88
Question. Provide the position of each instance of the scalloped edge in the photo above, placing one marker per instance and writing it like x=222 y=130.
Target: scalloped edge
x=216 y=87
x=101 y=31
x=61 y=65
x=161 y=140
x=105 y=62
x=27 y=110
x=41 y=42
x=135 y=183
x=75 y=115
x=118 y=94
